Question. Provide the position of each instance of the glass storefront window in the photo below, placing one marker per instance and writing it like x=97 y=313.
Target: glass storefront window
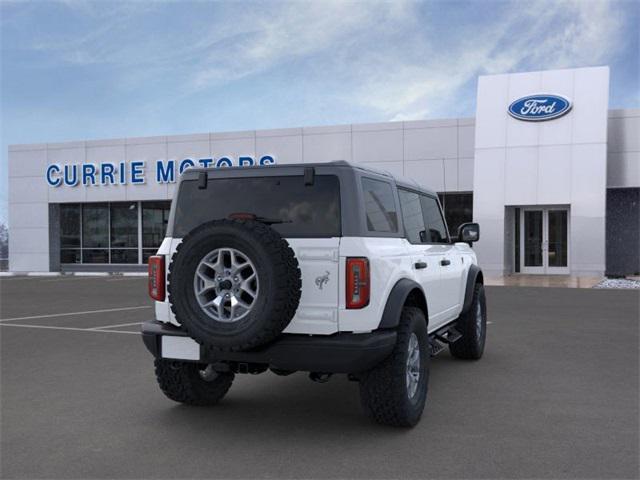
x=109 y=233
x=70 y=226
x=70 y=255
x=124 y=255
x=124 y=225
x=94 y=255
x=95 y=225
x=70 y=233
x=458 y=209
x=155 y=216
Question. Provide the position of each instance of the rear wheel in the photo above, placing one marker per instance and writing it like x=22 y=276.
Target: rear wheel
x=473 y=326
x=192 y=383
x=395 y=391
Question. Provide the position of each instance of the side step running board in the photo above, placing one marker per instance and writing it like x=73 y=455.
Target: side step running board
x=436 y=347
x=443 y=337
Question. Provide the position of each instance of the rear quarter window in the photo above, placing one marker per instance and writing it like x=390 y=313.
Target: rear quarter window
x=380 y=206
x=296 y=209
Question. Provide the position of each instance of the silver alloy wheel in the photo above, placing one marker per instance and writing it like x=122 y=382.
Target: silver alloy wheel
x=413 y=365
x=226 y=284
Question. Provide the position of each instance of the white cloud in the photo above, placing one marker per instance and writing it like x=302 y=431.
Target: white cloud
x=293 y=31
x=531 y=35
x=388 y=57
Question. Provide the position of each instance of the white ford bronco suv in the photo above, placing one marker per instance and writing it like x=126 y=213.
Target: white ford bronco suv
x=325 y=268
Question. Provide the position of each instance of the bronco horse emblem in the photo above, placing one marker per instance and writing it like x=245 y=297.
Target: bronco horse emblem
x=322 y=280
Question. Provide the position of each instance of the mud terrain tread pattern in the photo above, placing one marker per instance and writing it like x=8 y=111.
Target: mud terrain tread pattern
x=287 y=270
x=469 y=347
x=383 y=391
x=181 y=382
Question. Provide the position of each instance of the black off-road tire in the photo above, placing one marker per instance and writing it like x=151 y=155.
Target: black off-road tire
x=383 y=390
x=278 y=273
x=474 y=331
x=183 y=383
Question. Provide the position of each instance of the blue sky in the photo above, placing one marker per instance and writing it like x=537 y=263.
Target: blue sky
x=74 y=70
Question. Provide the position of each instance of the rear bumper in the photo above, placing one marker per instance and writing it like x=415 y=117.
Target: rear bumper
x=338 y=353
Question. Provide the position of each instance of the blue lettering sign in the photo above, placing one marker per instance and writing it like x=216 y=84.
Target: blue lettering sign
x=166 y=171
x=106 y=173
x=245 y=161
x=88 y=174
x=165 y=174
x=71 y=175
x=137 y=172
x=224 y=162
x=184 y=164
x=267 y=160
x=51 y=180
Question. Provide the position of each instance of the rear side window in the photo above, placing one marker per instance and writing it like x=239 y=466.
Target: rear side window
x=436 y=229
x=411 y=215
x=380 y=206
x=292 y=208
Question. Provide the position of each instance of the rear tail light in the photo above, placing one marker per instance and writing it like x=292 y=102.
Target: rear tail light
x=358 y=282
x=156 y=277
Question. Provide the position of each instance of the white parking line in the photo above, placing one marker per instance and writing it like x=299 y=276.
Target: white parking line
x=49 y=327
x=115 y=326
x=88 y=312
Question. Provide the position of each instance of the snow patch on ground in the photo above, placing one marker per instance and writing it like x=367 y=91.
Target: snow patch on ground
x=618 y=283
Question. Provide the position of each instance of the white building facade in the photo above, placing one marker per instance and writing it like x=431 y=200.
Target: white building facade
x=550 y=173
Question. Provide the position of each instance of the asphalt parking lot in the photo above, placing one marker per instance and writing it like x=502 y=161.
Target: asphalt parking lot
x=555 y=396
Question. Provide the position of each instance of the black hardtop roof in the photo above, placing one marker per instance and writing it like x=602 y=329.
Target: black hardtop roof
x=400 y=181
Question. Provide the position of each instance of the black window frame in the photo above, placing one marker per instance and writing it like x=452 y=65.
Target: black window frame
x=442 y=217
x=404 y=223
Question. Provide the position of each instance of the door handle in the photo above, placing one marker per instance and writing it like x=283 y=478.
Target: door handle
x=445 y=262
x=420 y=265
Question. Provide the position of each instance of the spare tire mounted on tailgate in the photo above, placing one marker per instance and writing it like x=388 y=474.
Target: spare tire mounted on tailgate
x=234 y=285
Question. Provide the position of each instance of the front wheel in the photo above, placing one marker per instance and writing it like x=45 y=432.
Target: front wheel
x=192 y=383
x=473 y=326
x=395 y=391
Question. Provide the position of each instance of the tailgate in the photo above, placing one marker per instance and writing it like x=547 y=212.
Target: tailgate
x=318 y=309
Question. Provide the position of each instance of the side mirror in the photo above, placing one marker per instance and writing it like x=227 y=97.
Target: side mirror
x=469 y=233
x=423 y=236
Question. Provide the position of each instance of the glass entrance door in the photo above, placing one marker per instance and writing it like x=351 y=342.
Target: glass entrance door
x=544 y=240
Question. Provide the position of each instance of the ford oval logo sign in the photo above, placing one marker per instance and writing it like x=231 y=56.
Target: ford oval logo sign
x=536 y=108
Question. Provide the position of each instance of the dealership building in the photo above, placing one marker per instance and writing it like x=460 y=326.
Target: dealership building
x=548 y=170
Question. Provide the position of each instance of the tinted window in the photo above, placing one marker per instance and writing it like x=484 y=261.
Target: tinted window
x=411 y=215
x=69 y=226
x=436 y=230
x=95 y=225
x=296 y=209
x=124 y=225
x=155 y=216
x=380 y=207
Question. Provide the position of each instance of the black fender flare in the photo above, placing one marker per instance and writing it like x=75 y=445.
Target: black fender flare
x=398 y=298
x=474 y=276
